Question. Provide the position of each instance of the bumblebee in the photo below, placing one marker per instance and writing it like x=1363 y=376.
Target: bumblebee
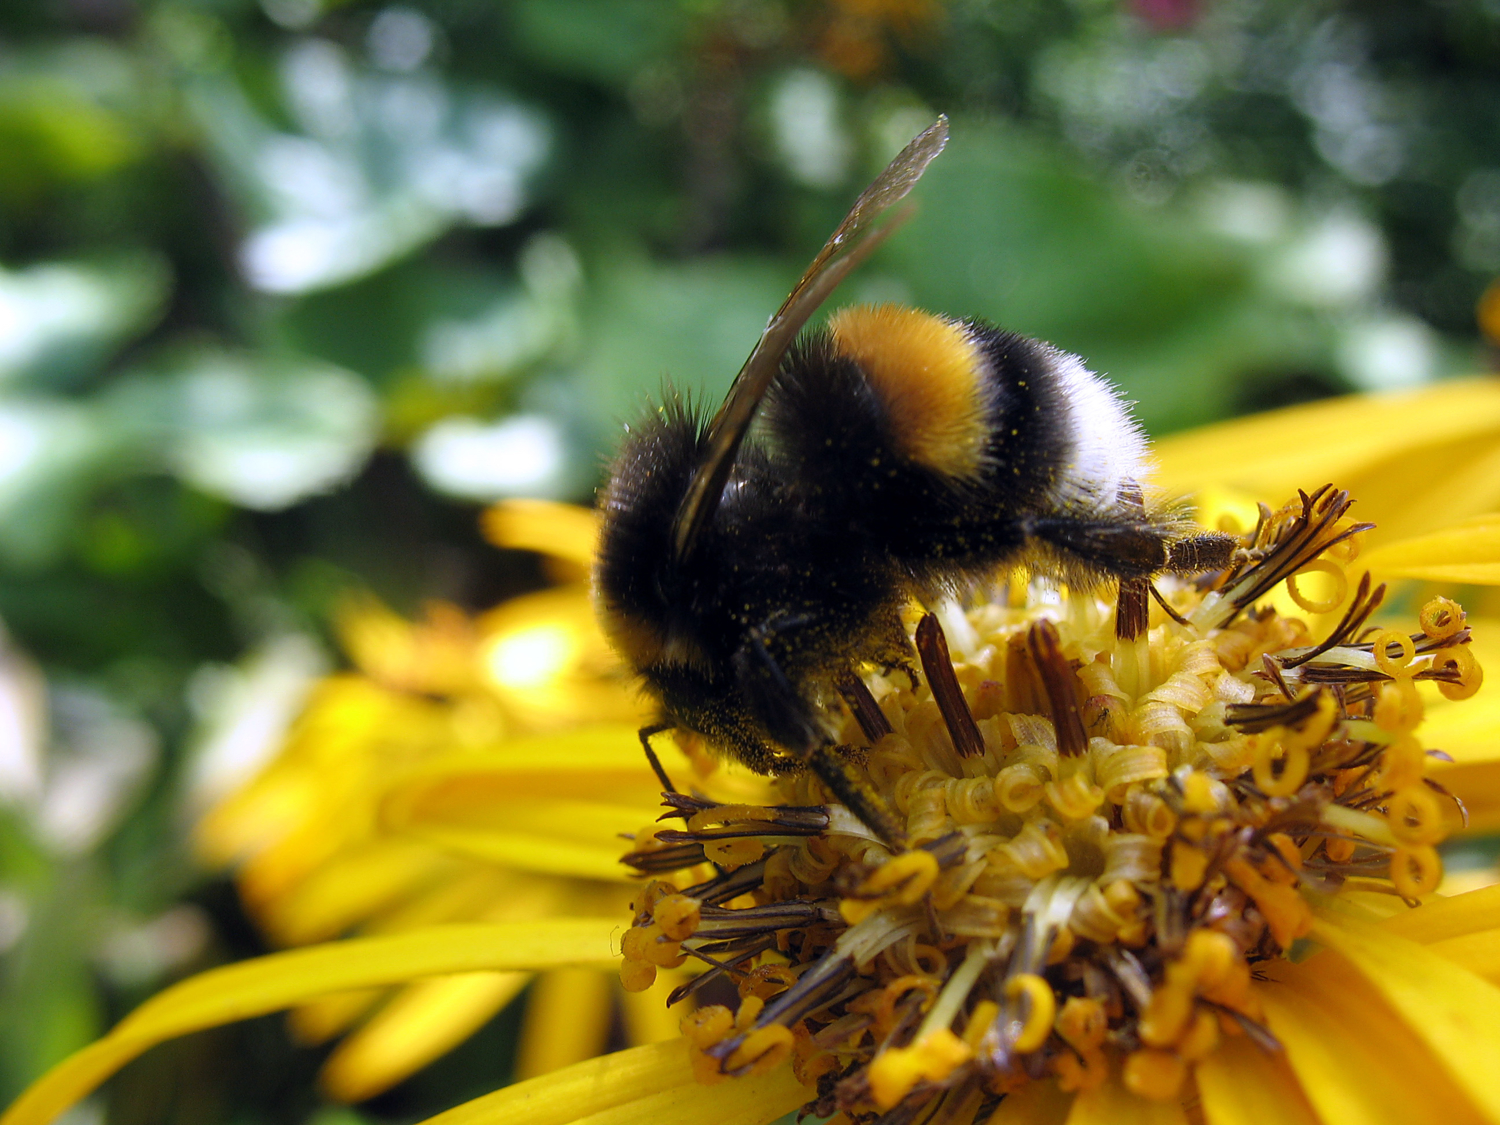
x=899 y=454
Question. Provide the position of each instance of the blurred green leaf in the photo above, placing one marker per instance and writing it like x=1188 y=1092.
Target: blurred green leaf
x=260 y=431
x=1012 y=230
x=608 y=43
x=686 y=325
x=59 y=320
x=52 y=131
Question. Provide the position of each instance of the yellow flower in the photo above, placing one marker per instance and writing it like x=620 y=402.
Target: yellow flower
x=1424 y=466
x=468 y=770
x=442 y=766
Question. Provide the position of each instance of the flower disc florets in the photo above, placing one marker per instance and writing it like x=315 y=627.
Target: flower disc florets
x=1107 y=834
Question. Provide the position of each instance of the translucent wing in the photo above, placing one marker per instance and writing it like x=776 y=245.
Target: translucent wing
x=850 y=244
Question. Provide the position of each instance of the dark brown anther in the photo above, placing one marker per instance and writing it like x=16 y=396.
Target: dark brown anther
x=1057 y=679
x=659 y=861
x=932 y=649
x=948 y=850
x=1252 y=718
x=1364 y=604
x=1133 y=610
x=781 y=820
x=718 y=968
x=814 y=988
x=728 y=884
x=867 y=713
x=1290 y=543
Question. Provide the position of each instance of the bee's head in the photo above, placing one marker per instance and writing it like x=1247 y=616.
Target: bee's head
x=645 y=604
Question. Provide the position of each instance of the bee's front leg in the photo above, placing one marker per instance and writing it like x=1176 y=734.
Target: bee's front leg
x=794 y=724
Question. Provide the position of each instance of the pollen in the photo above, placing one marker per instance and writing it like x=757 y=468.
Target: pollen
x=1111 y=838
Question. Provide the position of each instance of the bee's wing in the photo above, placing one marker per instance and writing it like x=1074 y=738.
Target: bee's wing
x=850 y=244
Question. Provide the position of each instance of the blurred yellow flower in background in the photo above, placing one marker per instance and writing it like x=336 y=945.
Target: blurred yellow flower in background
x=450 y=810
x=467 y=769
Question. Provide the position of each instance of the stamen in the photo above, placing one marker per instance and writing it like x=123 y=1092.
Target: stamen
x=1441 y=618
x=1133 y=608
x=1364 y=604
x=661 y=860
x=1058 y=682
x=1335 y=597
x=867 y=713
x=932 y=650
x=1030 y=1031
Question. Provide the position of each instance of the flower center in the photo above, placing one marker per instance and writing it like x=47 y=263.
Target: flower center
x=1107 y=836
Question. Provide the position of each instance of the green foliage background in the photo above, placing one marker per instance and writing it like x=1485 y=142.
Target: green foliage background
x=289 y=288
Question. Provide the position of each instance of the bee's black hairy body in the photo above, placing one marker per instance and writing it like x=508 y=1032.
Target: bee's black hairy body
x=837 y=436
x=829 y=524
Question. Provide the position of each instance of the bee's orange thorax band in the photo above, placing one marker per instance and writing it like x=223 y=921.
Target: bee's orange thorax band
x=930 y=376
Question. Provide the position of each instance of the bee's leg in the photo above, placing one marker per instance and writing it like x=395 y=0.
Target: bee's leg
x=858 y=796
x=1211 y=550
x=1125 y=548
x=793 y=724
x=1167 y=607
x=646 y=734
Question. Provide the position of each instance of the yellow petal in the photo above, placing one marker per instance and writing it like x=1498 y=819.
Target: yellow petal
x=1477 y=785
x=593 y=761
x=420 y=1023
x=579 y=1090
x=1112 y=1104
x=1479 y=953
x=1443 y=918
x=1242 y=1084
x=1455 y=1012
x=742 y=1101
x=1271 y=455
x=266 y=984
x=466 y=897
x=567 y=1020
x=564 y=531
x=74 y=1078
x=548 y=660
x=348 y=888
x=1458 y=478
x=1465 y=552
x=647 y=1017
x=280 y=980
x=555 y=803
x=1036 y=1103
x=1469 y=729
x=434 y=654
x=532 y=852
x=1356 y=1059
x=644 y=1084
x=320 y=1020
